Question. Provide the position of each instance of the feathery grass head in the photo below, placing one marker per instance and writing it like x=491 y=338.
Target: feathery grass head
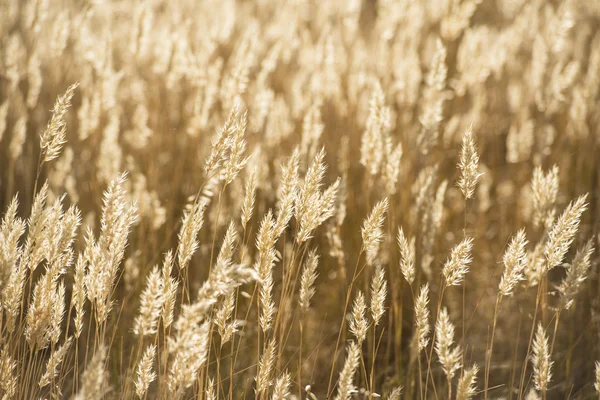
x=358 y=322
x=544 y=189
x=372 y=232
x=422 y=317
x=151 y=303
x=576 y=275
x=265 y=368
x=542 y=365
x=563 y=232
x=407 y=256
x=378 y=294
x=467 y=384
x=444 y=334
x=457 y=265
x=281 y=391
x=395 y=394
x=515 y=259
x=53 y=137
x=468 y=165
x=307 y=281
x=345 y=384
x=145 y=372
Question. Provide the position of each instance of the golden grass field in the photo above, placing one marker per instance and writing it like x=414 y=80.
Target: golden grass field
x=299 y=199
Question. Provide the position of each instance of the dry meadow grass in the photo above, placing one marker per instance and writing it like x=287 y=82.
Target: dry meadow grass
x=299 y=199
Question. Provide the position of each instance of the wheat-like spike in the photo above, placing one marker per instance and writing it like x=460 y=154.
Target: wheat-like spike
x=372 y=142
x=222 y=317
x=281 y=391
x=151 y=303
x=210 y=390
x=287 y=192
x=227 y=248
x=56 y=358
x=515 y=259
x=307 y=281
x=8 y=383
x=407 y=256
x=563 y=232
x=169 y=293
x=467 y=388
x=540 y=358
x=38 y=327
x=145 y=372
x=266 y=300
x=313 y=207
x=79 y=295
x=436 y=78
x=249 y=199
x=94 y=380
x=392 y=166
x=191 y=225
x=53 y=137
x=544 y=189
x=576 y=275
x=395 y=394
x=189 y=347
x=468 y=165
x=378 y=294
x=58 y=312
x=444 y=334
x=372 y=232
x=358 y=322
x=422 y=317
x=235 y=161
x=265 y=367
x=457 y=265
x=222 y=141
x=346 y=381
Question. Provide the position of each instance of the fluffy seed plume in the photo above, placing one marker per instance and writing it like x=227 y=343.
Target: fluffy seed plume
x=544 y=188
x=346 y=384
x=307 y=282
x=407 y=256
x=287 y=192
x=467 y=384
x=395 y=394
x=562 y=233
x=53 y=137
x=145 y=372
x=265 y=367
x=515 y=259
x=576 y=275
x=378 y=294
x=458 y=264
x=151 y=302
x=223 y=316
x=444 y=333
x=249 y=198
x=54 y=362
x=281 y=391
x=542 y=365
x=191 y=225
x=372 y=232
x=468 y=165
x=422 y=317
x=358 y=322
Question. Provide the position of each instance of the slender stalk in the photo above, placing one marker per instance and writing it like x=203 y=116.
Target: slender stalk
x=488 y=354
